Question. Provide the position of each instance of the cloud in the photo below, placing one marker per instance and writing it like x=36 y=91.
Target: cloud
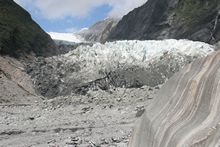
x=58 y=9
x=122 y=7
x=24 y=3
x=71 y=30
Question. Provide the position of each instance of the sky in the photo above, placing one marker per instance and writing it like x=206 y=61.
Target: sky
x=68 y=16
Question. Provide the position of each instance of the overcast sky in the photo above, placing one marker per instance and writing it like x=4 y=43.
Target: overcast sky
x=72 y=15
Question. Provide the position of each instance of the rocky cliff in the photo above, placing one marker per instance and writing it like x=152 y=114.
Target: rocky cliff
x=162 y=19
x=186 y=110
x=100 y=31
x=20 y=34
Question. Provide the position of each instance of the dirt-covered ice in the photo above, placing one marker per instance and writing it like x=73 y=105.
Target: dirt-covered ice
x=118 y=64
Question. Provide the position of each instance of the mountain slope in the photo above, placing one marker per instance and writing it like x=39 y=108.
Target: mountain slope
x=186 y=110
x=100 y=31
x=15 y=85
x=162 y=19
x=20 y=34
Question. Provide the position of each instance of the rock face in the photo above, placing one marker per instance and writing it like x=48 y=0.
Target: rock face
x=186 y=110
x=165 y=19
x=15 y=85
x=114 y=64
x=20 y=34
x=100 y=31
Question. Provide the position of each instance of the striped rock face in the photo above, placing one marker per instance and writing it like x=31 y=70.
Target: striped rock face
x=186 y=112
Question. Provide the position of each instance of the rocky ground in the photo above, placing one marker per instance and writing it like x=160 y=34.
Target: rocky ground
x=100 y=118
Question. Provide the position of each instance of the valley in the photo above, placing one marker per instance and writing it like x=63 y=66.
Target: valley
x=149 y=78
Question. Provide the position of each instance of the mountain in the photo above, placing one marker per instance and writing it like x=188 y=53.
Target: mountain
x=186 y=110
x=100 y=31
x=20 y=34
x=162 y=19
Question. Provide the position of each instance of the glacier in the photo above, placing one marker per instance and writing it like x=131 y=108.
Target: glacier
x=115 y=64
x=70 y=37
x=136 y=52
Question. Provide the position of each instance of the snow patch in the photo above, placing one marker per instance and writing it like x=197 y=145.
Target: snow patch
x=70 y=37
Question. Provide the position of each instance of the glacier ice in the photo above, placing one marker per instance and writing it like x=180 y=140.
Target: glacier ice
x=121 y=64
x=122 y=54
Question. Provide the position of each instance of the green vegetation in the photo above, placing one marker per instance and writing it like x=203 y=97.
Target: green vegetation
x=19 y=33
x=192 y=12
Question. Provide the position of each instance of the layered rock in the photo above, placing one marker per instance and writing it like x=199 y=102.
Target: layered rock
x=163 y=19
x=19 y=34
x=186 y=110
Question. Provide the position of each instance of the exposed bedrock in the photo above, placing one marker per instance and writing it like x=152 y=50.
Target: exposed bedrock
x=15 y=84
x=100 y=31
x=197 y=20
x=185 y=113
